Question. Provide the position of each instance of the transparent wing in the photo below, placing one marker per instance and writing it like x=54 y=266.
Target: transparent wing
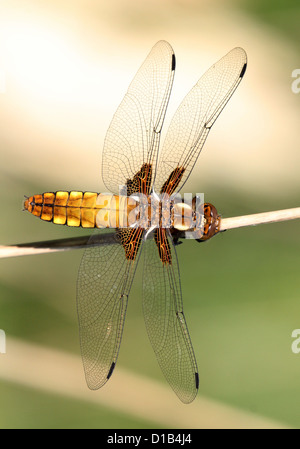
x=194 y=118
x=104 y=281
x=134 y=133
x=164 y=317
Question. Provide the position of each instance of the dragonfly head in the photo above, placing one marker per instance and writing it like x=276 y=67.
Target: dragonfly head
x=209 y=221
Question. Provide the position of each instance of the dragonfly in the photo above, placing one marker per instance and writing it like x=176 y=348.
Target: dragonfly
x=132 y=163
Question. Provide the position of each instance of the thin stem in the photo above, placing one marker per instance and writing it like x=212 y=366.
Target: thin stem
x=255 y=219
x=51 y=246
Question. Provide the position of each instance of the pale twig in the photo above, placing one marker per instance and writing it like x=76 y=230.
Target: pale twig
x=51 y=246
x=107 y=238
x=255 y=219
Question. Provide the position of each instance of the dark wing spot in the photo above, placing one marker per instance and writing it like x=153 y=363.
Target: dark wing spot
x=111 y=369
x=243 y=70
x=173 y=62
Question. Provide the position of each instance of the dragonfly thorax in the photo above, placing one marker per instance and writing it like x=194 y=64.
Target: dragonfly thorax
x=194 y=218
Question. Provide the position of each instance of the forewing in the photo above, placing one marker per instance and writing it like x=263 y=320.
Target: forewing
x=134 y=133
x=194 y=118
x=104 y=281
x=164 y=317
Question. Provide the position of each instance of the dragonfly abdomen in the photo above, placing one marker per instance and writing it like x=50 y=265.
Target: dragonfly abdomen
x=85 y=209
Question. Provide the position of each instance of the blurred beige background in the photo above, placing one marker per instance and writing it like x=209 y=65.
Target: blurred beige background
x=68 y=64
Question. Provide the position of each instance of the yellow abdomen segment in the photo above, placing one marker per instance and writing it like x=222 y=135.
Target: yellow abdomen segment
x=85 y=209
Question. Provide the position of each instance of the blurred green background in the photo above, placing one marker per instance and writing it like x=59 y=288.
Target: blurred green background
x=66 y=67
